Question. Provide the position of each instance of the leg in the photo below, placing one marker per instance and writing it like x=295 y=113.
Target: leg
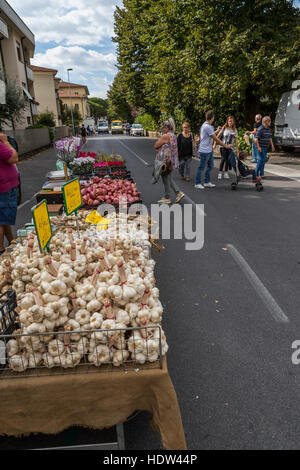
x=8 y=233
x=203 y=160
x=181 y=167
x=173 y=184
x=264 y=159
x=222 y=151
x=210 y=165
x=253 y=173
x=227 y=152
x=258 y=165
x=188 y=163
x=254 y=152
x=166 y=182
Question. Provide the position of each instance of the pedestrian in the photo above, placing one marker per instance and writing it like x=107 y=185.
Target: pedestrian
x=88 y=130
x=256 y=126
x=263 y=139
x=207 y=136
x=243 y=168
x=83 y=134
x=229 y=135
x=185 y=142
x=167 y=152
x=9 y=182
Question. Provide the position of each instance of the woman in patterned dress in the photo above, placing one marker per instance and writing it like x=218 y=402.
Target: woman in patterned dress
x=167 y=152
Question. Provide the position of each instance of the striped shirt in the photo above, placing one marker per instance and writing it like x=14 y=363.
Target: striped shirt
x=264 y=135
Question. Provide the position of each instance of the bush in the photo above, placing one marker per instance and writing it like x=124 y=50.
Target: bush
x=147 y=122
x=242 y=144
x=46 y=119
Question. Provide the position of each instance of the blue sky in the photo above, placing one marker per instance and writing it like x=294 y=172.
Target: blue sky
x=73 y=34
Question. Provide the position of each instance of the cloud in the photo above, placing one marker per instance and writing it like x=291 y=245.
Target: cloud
x=89 y=66
x=70 y=34
x=72 y=22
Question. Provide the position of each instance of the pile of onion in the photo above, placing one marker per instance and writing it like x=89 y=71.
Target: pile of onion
x=109 y=191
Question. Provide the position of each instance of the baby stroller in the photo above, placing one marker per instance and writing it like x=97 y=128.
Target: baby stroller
x=239 y=177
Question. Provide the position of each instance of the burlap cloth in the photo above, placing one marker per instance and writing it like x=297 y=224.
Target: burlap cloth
x=50 y=405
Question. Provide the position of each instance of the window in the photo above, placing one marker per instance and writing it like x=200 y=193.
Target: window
x=77 y=107
x=65 y=106
x=76 y=92
x=28 y=120
x=19 y=51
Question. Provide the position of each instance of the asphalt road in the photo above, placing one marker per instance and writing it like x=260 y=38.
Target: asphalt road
x=231 y=309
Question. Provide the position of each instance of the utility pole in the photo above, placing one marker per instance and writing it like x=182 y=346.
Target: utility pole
x=73 y=129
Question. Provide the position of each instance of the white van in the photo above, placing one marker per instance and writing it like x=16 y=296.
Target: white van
x=287 y=121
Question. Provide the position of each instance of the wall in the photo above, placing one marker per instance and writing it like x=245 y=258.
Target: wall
x=44 y=87
x=33 y=139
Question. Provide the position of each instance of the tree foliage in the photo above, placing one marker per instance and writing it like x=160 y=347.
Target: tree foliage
x=118 y=101
x=66 y=116
x=98 y=107
x=46 y=119
x=192 y=55
x=16 y=103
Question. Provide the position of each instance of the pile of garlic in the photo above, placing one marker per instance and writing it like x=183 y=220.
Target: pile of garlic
x=102 y=283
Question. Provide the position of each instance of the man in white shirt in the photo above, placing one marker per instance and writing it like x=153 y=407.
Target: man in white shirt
x=207 y=135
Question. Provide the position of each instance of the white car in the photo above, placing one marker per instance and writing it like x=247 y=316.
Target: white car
x=103 y=127
x=136 y=129
x=287 y=122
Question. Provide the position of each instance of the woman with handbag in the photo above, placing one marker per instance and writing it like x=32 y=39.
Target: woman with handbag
x=167 y=152
x=185 y=142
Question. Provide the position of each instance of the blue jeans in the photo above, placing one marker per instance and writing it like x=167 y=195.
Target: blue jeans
x=261 y=161
x=255 y=152
x=206 y=159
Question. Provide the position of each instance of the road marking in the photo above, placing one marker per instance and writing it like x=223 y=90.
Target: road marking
x=201 y=212
x=27 y=202
x=271 y=304
x=133 y=153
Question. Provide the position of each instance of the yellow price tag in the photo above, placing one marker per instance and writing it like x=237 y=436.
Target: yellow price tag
x=72 y=196
x=42 y=224
x=103 y=224
x=96 y=219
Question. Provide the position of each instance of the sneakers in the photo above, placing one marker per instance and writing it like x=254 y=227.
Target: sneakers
x=226 y=175
x=209 y=185
x=220 y=175
x=179 y=197
x=199 y=186
x=164 y=200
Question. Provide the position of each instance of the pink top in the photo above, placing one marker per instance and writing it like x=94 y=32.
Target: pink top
x=8 y=172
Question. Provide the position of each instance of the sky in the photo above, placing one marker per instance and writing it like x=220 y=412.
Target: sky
x=73 y=34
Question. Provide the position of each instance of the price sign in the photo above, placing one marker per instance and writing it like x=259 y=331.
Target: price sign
x=42 y=224
x=72 y=196
x=66 y=172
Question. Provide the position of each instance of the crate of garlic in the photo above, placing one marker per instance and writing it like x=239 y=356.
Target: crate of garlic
x=92 y=301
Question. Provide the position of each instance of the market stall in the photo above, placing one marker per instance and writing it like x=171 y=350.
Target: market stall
x=81 y=313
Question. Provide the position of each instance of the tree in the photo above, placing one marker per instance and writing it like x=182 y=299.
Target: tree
x=98 y=107
x=118 y=105
x=16 y=103
x=67 y=117
x=192 y=55
x=46 y=119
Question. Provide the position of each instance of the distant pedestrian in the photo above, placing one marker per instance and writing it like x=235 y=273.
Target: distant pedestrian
x=256 y=126
x=9 y=182
x=83 y=133
x=88 y=130
x=167 y=152
x=207 y=136
x=229 y=135
x=185 y=142
x=263 y=139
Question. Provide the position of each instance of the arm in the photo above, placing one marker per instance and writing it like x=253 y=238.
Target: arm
x=164 y=139
x=272 y=145
x=257 y=144
x=216 y=139
x=14 y=158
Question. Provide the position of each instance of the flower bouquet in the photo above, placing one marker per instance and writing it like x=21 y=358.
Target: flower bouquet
x=67 y=149
x=82 y=165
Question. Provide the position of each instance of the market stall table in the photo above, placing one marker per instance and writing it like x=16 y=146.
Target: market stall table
x=100 y=400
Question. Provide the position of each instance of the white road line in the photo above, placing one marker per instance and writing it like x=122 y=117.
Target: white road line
x=276 y=312
x=194 y=204
x=133 y=153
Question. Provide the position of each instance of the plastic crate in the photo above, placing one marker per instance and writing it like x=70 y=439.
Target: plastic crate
x=8 y=304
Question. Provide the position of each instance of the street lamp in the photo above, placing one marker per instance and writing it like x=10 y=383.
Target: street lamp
x=73 y=129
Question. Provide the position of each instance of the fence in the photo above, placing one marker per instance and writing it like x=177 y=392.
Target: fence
x=30 y=140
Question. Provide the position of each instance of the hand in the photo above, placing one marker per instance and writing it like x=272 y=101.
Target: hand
x=273 y=149
x=229 y=146
x=259 y=149
x=3 y=138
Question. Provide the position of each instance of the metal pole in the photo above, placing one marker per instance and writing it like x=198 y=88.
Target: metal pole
x=73 y=129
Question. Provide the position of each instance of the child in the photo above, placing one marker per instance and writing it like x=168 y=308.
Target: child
x=244 y=169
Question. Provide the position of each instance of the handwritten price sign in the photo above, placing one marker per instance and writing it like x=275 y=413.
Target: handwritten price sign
x=42 y=224
x=72 y=196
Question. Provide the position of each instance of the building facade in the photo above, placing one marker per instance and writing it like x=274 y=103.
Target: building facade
x=46 y=87
x=77 y=95
x=17 y=46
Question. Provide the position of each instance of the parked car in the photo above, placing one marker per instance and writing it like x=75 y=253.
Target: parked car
x=103 y=127
x=116 y=127
x=287 y=121
x=137 y=129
